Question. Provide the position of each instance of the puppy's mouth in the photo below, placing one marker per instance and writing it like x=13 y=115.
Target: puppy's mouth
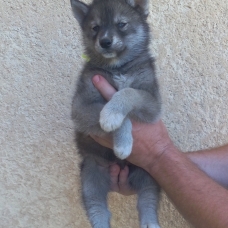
x=109 y=55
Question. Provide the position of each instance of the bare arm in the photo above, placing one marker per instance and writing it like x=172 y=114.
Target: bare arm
x=214 y=162
x=201 y=201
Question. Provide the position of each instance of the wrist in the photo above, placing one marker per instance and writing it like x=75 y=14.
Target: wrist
x=151 y=142
x=167 y=154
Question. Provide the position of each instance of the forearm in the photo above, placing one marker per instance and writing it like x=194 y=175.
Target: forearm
x=199 y=199
x=214 y=162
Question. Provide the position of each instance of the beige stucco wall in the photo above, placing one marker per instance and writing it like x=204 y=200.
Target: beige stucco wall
x=40 y=58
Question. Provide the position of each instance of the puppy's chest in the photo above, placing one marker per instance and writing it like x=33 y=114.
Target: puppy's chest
x=122 y=81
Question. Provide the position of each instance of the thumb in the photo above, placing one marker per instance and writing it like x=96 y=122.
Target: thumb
x=102 y=85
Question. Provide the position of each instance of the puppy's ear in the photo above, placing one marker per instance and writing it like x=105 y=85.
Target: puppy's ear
x=79 y=9
x=142 y=5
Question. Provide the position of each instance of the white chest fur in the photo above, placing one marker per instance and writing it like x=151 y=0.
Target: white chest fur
x=122 y=81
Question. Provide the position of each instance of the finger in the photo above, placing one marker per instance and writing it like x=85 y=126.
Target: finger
x=106 y=90
x=123 y=177
x=105 y=141
x=114 y=171
x=124 y=186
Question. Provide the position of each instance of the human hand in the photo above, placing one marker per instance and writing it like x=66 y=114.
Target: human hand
x=119 y=180
x=150 y=140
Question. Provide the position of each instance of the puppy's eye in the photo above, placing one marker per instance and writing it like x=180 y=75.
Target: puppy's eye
x=121 y=25
x=96 y=28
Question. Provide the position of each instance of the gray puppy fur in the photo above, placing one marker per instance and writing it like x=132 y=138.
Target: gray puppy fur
x=116 y=38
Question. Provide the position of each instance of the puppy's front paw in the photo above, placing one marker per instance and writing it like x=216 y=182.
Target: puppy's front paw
x=122 y=151
x=123 y=140
x=110 y=120
x=150 y=225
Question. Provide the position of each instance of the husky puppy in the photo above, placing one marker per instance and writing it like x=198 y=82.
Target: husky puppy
x=116 y=38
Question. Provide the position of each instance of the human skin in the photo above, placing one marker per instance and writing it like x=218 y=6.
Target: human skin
x=201 y=200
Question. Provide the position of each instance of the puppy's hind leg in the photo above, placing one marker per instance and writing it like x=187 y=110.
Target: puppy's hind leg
x=147 y=207
x=148 y=197
x=95 y=187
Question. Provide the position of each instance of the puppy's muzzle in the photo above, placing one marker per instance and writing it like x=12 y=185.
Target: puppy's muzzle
x=105 y=43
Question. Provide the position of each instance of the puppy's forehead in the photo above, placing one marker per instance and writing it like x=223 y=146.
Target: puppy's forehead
x=109 y=13
x=102 y=13
x=95 y=18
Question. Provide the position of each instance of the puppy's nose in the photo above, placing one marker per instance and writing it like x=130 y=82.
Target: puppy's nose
x=105 y=43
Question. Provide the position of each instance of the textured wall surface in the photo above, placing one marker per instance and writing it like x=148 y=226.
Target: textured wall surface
x=40 y=58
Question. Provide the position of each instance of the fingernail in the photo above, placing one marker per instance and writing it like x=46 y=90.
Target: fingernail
x=96 y=78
